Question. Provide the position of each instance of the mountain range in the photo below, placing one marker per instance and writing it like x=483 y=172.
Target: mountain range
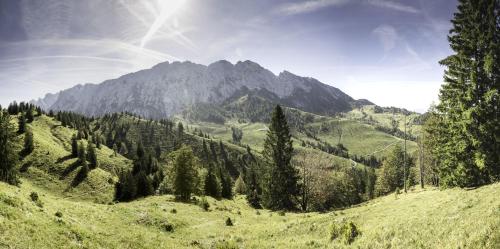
x=168 y=89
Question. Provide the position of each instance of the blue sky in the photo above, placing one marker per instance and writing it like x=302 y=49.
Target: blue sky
x=386 y=51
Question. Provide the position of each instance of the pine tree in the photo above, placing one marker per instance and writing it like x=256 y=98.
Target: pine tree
x=253 y=190
x=22 y=124
x=226 y=184
x=28 y=143
x=82 y=155
x=390 y=175
x=92 y=156
x=29 y=115
x=240 y=186
x=281 y=184
x=74 y=146
x=470 y=97
x=8 y=157
x=212 y=184
x=185 y=173
x=144 y=185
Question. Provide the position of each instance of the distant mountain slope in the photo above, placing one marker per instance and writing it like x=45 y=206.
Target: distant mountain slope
x=169 y=88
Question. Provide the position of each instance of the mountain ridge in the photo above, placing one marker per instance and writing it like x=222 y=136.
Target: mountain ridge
x=168 y=88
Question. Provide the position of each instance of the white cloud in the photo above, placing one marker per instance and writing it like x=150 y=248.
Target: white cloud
x=394 y=6
x=387 y=35
x=308 y=6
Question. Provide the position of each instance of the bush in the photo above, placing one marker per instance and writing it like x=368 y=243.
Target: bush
x=168 y=227
x=229 y=222
x=346 y=231
x=34 y=197
x=59 y=214
x=174 y=211
x=204 y=204
x=281 y=213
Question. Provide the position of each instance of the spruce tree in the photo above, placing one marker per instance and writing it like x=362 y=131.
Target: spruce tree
x=28 y=143
x=92 y=156
x=22 y=123
x=226 y=184
x=240 y=186
x=281 y=183
x=74 y=146
x=185 y=173
x=82 y=155
x=470 y=97
x=212 y=184
x=8 y=157
x=29 y=115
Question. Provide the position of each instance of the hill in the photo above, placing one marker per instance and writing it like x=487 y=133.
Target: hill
x=427 y=218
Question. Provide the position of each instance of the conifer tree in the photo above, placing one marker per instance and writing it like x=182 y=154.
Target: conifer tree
x=82 y=155
x=29 y=115
x=8 y=157
x=281 y=183
x=212 y=184
x=240 y=186
x=185 y=173
x=28 y=143
x=74 y=146
x=470 y=98
x=226 y=184
x=92 y=156
x=22 y=123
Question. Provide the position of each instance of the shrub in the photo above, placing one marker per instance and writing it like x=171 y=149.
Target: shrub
x=229 y=222
x=168 y=227
x=59 y=214
x=281 y=213
x=174 y=211
x=204 y=204
x=345 y=231
x=34 y=197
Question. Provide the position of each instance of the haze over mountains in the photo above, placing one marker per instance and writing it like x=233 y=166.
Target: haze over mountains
x=169 y=88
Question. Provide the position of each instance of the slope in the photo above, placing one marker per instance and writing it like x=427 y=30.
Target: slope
x=427 y=218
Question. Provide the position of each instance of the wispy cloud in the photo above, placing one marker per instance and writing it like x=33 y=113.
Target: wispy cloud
x=307 y=6
x=387 y=35
x=394 y=6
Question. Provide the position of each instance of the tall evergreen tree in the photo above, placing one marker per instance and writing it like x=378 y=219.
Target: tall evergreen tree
x=92 y=156
x=29 y=115
x=470 y=97
x=8 y=157
x=28 y=142
x=74 y=146
x=21 y=123
x=185 y=173
x=212 y=184
x=226 y=183
x=281 y=183
x=82 y=155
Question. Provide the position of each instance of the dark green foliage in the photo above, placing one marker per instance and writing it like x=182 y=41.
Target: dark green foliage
x=92 y=156
x=29 y=115
x=82 y=154
x=237 y=135
x=253 y=190
x=8 y=157
x=467 y=139
x=345 y=231
x=240 y=186
x=226 y=184
x=390 y=175
x=74 y=146
x=229 y=222
x=28 y=143
x=22 y=123
x=144 y=185
x=58 y=214
x=185 y=173
x=212 y=184
x=82 y=174
x=281 y=184
x=34 y=198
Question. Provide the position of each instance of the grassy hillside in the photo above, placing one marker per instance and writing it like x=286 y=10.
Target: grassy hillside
x=50 y=165
x=420 y=219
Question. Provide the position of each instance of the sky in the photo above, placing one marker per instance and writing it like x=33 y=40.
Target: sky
x=386 y=51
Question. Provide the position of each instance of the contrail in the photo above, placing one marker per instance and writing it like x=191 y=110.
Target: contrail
x=167 y=8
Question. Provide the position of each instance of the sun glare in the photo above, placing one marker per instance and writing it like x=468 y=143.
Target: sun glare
x=167 y=9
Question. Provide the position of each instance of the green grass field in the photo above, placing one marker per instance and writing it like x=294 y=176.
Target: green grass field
x=427 y=218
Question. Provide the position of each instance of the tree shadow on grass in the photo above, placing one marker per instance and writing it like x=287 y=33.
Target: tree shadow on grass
x=80 y=176
x=70 y=169
x=24 y=168
x=64 y=158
